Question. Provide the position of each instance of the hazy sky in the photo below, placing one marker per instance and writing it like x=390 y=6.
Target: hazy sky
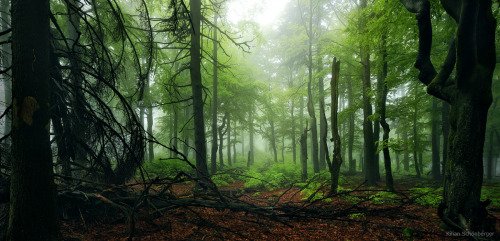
x=263 y=12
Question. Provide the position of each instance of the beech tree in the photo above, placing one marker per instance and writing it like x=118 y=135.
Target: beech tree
x=472 y=55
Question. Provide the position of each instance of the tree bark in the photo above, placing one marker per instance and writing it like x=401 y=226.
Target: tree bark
x=221 y=140
x=382 y=96
x=251 y=153
x=322 y=119
x=33 y=212
x=215 y=104
x=406 y=155
x=334 y=166
x=472 y=54
x=350 y=139
x=229 y=140
x=310 y=102
x=369 y=145
x=445 y=125
x=197 y=89
x=149 y=116
x=436 y=172
x=415 y=136
x=303 y=155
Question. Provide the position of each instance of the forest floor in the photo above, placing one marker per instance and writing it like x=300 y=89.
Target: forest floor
x=361 y=214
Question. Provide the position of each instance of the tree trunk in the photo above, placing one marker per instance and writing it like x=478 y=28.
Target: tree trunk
x=322 y=119
x=7 y=81
x=334 y=166
x=185 y=132
x=436 y=172
x=149 y=114
x=406 y=155
x=369 y=146
x=197 y=89
x=489 y=164
x=415 y=136
x=215 y=104
x=350 y=139
x=446 y=132
x=273 y=141
x=33 y=212
x=176 y=128
x=221 y=140
x=294 y=143
x=251 y=162
x=382 y=97
x=310 y=102
x=303 y=155
x=229 y=140
x=472 y=54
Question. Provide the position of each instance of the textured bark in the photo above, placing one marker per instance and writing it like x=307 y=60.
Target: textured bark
x=415 y=137
x=303 y=155
x=310 y=100
x=445 y=125
x=489 y=163
x=369 y=145
x=33 y=212
x=221 y=140
x=149 y=116
x=185 y=132
x=229 y=140
x=273 y=141
x=382 y=99
x=469 y=94
x=197 y=89
x=436 y=172
x=334 y=166
x=322 y=119
x=215 y=104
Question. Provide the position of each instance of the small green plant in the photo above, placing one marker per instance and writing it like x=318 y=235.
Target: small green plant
x=492 y=193
x=384 y=197
x=427 y=196
x=357 y=215
x=222 y=179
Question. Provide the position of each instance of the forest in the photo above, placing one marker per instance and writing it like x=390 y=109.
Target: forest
x=249 y=120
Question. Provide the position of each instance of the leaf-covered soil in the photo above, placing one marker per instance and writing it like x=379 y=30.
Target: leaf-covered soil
x=357 y=215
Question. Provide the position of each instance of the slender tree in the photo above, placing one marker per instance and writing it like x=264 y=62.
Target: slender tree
x=215 y=104
x=197 y=89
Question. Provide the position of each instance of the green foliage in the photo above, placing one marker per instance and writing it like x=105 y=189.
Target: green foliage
x=277 y=176
x=222 y=179
x=384 y=197
x=427 y=196
x=166 y=168
x=492 y=193
x=411 y=234
x=358 y=215
x=312 y=193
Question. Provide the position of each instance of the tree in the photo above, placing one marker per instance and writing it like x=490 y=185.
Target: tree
x=197 y=89
x=369 y=145
x=469 y=94
x=33 y=212
x=215 y=104
x=334 y=165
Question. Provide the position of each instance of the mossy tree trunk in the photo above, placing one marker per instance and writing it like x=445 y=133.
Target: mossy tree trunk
x=472 y=55
x=33 y=212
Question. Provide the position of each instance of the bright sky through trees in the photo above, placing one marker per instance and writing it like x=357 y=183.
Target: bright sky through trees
x=263 y=12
